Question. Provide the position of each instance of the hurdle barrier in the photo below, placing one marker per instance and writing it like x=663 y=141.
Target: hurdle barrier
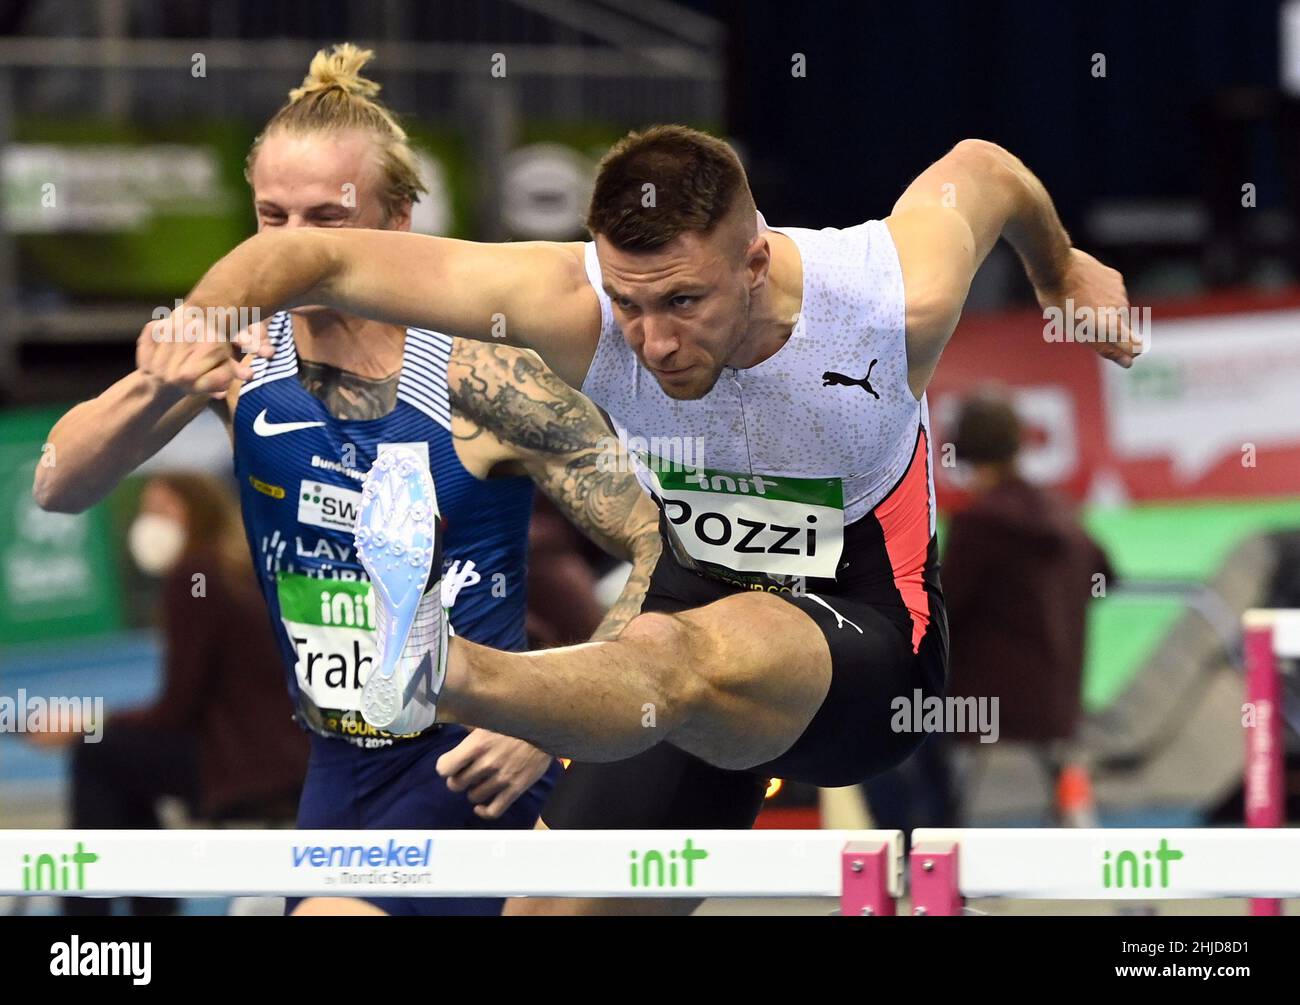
x=952 y=865
x=861 y=867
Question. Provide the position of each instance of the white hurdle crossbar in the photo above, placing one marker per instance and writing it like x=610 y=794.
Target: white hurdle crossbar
x=861 y=867
x=950 y=865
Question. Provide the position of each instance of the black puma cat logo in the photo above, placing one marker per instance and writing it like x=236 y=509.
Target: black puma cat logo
x=831 y=377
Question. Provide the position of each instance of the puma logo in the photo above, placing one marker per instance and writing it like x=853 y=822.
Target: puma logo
x=830 y=377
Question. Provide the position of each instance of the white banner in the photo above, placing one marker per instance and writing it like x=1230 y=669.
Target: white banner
x=706 y=863
x=1123 y=864
x=1211 y=388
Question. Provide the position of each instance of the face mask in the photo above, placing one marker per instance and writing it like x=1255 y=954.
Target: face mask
x=155 y=542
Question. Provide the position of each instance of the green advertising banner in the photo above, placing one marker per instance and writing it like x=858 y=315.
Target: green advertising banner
x=121 y=211
x=58 y=577
x=113 y=211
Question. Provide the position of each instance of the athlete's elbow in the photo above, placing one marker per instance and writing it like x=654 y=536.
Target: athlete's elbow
x=51 y=492
x=303 y=263
x=982 y=150
x=993 y=164
x=59 y=486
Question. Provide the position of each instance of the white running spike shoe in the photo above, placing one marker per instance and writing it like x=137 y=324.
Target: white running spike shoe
x=399 y=544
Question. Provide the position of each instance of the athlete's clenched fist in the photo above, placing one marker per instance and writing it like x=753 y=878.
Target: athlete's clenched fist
x=198 y=353
x=1089 y=289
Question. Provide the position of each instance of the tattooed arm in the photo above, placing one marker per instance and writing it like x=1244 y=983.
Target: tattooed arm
x=563 y=442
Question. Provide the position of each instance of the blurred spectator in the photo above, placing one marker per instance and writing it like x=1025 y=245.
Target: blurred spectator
x=1018 y=572
x=220 y=736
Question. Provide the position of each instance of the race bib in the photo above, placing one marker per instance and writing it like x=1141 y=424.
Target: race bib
x=331 y=625
x=753 y=523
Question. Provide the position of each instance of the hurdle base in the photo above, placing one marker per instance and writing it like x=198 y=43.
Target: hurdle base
x=935 y=889
x=865 y=870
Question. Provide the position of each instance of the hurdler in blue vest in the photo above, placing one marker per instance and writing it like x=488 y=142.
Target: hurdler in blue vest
x=299 y=471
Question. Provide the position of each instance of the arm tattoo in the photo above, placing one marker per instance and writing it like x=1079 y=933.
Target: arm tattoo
x=628 y=605
x=560 y=434
x=347 y=395
x=570 y=452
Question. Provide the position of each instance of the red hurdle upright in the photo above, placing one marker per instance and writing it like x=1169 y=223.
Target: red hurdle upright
x=1267 y=635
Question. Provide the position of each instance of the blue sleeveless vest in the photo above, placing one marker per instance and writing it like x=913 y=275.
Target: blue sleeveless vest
x=300 y=472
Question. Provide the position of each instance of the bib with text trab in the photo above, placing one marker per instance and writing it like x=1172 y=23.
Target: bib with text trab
x=331 y=624
x=752 y=523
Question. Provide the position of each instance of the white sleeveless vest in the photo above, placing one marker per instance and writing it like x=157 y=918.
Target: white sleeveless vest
x=828 y=421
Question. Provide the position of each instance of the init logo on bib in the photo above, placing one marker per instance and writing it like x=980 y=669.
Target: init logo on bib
x=331 y=624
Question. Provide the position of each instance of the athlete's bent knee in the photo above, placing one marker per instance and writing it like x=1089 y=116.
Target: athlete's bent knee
x=683 y=650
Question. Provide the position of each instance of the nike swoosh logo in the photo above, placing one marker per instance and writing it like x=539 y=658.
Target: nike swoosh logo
x=262 y=427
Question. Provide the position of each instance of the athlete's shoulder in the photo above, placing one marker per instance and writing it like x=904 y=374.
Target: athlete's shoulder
x=583 y=276
x=573 y=251
x=858 y=266
x=562 y=265
x=856 y=231
x=873 y=241
x=838 y=245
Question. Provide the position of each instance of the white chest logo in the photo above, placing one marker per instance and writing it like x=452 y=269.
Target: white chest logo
x=331 y=506
x=263 y=427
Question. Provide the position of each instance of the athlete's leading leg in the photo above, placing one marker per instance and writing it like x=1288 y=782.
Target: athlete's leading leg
x=735 y=683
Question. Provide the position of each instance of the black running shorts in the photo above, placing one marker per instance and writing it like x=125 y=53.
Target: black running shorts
x=849 y=739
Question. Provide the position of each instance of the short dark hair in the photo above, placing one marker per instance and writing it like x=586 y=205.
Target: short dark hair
x=988 y=431
x=696 y=180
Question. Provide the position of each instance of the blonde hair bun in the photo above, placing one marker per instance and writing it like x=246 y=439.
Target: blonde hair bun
x=338 y=69
x=334 y=97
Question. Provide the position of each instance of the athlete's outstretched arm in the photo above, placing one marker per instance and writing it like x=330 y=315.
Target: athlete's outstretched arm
x=565 y=445
x=99 y=442
x=948 y=220
x=531 y=294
